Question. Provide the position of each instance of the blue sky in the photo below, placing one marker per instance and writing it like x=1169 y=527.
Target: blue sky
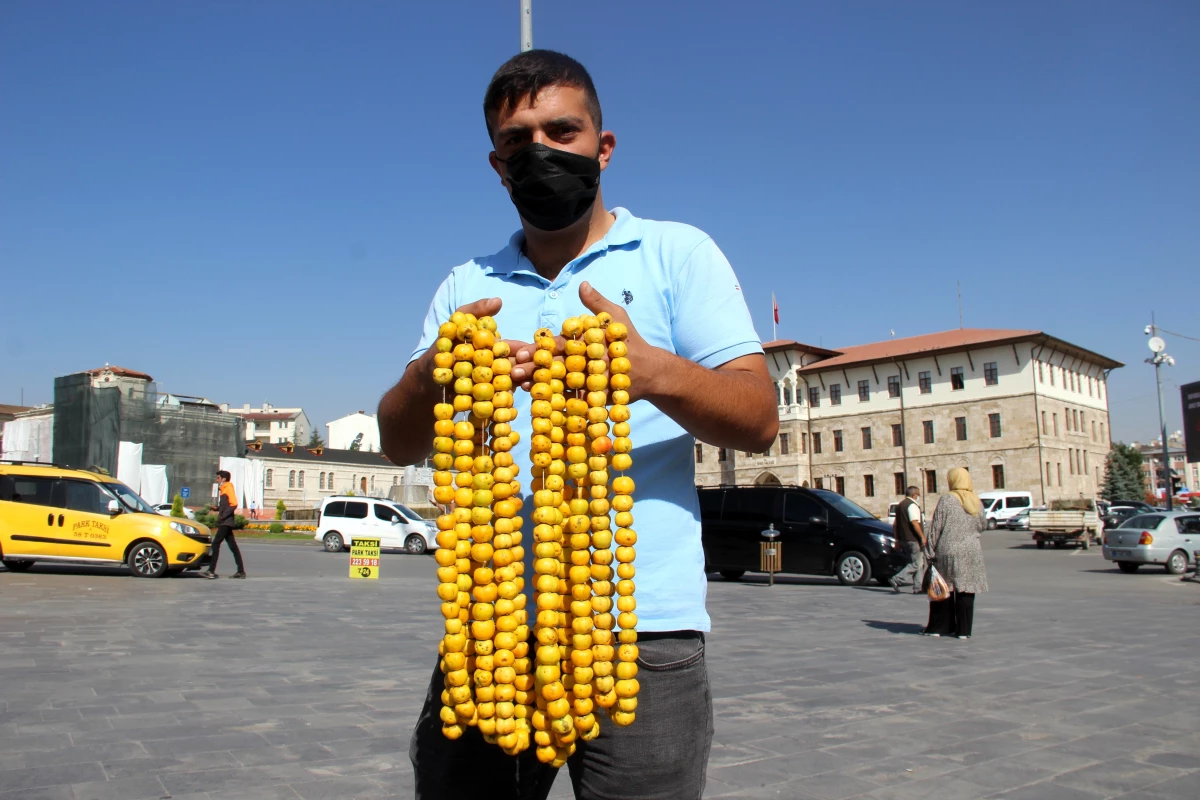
x=255 y=201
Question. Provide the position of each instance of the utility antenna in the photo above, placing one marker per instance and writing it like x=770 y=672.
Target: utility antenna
x=959 y=284
x=526 y=25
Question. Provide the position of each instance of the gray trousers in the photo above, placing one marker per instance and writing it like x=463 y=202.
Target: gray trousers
x=663 y=754
x=916 y=565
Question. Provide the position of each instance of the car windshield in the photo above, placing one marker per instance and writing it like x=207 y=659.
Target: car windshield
x=1146 y=521
x=846 y=508
x=408 y=512
x=129 y=498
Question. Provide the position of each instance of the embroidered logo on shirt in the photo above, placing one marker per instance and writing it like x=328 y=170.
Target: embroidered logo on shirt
x=627 y=296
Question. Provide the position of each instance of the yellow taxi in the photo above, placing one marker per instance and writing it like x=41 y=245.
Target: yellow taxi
x=70 y=516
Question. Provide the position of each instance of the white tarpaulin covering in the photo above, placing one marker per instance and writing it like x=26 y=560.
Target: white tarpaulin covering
x=29 y=439
x=247 y=476
x=129 y=466
x=154 y=484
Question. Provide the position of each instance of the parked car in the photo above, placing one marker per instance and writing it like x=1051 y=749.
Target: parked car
x=1164 y=537
x=999 y=506
x=165 y=510
x=394 y=525
x=1020 y=520
x=1118 y=514
x=821 y=533
x=1141 y=505
x=71 y=516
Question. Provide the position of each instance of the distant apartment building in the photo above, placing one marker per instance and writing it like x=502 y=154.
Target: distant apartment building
x=303 y=476
x=359 y=427
x=1186 y=474
x=274 y=425
x=1021 y=409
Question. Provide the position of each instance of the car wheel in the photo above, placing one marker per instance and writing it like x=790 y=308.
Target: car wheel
x=732 y=574
x=147 y=560
x=333 y=542
x=415 y=544
x=17 y=566
x=853 y=569
x=991 y=524
x=1177 y=563
x=1041 y=545
x=1128 y=567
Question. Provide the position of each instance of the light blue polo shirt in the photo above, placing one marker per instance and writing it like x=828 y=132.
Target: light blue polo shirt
x=682 y=295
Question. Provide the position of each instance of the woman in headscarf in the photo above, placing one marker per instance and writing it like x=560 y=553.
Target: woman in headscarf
x=955 y=551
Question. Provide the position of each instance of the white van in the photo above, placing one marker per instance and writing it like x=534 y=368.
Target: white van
x=999 y=506
x=344 y=519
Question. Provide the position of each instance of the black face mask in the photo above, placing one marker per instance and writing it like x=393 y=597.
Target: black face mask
x=552 y=188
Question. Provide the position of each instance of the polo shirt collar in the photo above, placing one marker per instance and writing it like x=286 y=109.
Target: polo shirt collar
x=626 y=229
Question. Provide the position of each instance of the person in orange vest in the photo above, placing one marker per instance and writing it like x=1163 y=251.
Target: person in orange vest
x=226 y=506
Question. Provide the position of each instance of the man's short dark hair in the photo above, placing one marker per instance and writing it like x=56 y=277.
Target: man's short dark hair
x=526 y=74
x=912 y=491
x=224 y=474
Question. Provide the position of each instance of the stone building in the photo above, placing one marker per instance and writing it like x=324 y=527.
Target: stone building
x=303 y=476
x=1187 y=474
x=1022 y=410
x=273 y=425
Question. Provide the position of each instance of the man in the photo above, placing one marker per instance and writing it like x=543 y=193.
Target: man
x=226 y=506
x=910 y=534
x=698 y=370
x=253 y=510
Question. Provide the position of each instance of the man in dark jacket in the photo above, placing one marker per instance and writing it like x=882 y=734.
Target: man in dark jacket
x=910 y=534
x=226 y=506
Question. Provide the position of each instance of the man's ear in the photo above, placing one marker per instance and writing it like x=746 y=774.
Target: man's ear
x=608 y=143
x=498 y=166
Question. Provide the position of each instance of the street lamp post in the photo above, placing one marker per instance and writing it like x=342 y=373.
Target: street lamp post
x=1158 y=348
x=526 y=25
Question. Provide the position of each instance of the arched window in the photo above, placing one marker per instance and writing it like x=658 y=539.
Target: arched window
x=322 y=480
x=396 y=478
x=329 y=485
x=292 y=479
x=363 y=483
x=301 y=479
x=787 y=394
x=372 y=483
x=270 y=477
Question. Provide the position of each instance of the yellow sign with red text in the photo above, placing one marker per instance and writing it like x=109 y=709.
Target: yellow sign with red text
x=364 y=558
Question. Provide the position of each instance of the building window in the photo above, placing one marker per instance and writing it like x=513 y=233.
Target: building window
x=1071 y=461
x=897 y=435
x=784 y=446
x=816 y=442
x=994 y=424
x=997 y=476
x=869 y=485
x=956 y=379
x=292 y=479
x=1041 y=375
x=329 y=483
x=1058 y=467
x=899 y=480
x=270 y=478
x=699 y=453
x=1049 y=475
x=960 y=428
x=927 y=427
x=722 y=454
x=1055 y=416
x=1051 y=374
x=1102 y=431
x=893 y=386
x=1085 y=463
x=931 y=481
x=864 y=391
x=991 y=374
x=1078 y=420
x=787 y=394
x=866 y=438
x=1093 y=430
x=925 y=381
x=803 y=443
x=835 y=394
x=814 y=396
x=839 y=485
x=837 y=442
x=1044 y=429
x=301 y=483
x=819 y=483
x=321 y=481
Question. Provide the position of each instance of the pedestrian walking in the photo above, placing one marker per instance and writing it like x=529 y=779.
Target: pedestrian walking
x=226 y=508
x=698 y=370
x=910 y=534
x=956 y=553
x=253 y=510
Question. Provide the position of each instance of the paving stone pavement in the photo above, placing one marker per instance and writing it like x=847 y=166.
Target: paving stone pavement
x=298 y=683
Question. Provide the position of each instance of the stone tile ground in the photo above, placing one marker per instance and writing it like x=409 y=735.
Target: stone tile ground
x=1081 y=683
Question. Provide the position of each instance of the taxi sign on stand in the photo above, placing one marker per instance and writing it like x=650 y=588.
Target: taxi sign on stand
x=364 y=558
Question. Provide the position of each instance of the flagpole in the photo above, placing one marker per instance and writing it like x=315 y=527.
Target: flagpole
x=774 y=324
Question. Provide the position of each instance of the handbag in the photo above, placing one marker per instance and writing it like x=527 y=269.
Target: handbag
x=938 y=588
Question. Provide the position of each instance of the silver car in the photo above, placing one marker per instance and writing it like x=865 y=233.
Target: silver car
x=1168 y=538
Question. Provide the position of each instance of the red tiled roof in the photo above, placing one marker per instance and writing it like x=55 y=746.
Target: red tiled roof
x=789 y=344
x=121 y=371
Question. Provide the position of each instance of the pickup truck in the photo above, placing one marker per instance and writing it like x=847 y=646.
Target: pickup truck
x=1063 y=527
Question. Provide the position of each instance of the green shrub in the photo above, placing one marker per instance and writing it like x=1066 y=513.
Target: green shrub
x=239 y=522
x=276 y=527
x=177 y=506
x=280 y=507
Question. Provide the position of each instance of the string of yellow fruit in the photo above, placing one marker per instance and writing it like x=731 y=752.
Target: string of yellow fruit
x=490 y=680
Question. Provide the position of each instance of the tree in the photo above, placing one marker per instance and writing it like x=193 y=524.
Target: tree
x=1123 y=474
x=315 y=440
x=356 y=444
x=280 y=507
x=177 y=506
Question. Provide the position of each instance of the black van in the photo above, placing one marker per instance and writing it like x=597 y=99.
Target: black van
x=822 y=533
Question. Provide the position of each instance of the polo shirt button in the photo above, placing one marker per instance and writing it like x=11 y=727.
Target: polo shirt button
x=553 y=295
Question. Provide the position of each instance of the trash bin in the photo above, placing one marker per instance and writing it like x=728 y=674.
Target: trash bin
x=772 y=553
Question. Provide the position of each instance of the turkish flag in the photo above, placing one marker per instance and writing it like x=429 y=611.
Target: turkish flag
x=775 y=308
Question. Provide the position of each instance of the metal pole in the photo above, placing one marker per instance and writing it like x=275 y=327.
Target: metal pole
x=526 y=25
x=1162 y=423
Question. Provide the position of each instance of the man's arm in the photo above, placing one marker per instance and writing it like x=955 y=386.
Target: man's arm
x=406 y=410
x=920 y=531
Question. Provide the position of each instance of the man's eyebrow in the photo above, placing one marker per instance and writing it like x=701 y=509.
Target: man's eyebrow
x=567 y=121
x=509 y=130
